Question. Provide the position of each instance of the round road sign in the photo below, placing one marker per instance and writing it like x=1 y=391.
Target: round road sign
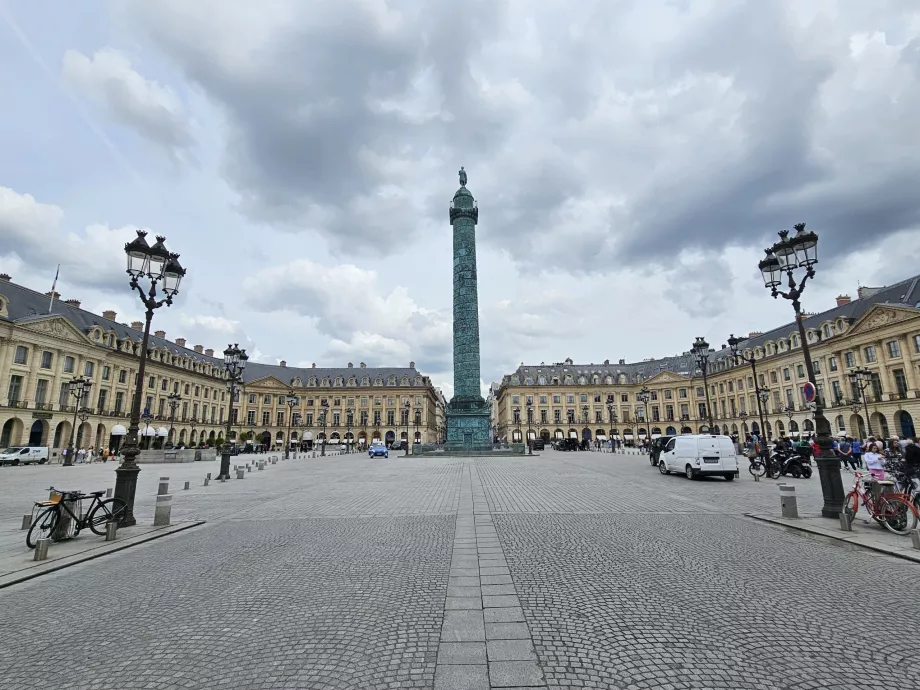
x=808 y=391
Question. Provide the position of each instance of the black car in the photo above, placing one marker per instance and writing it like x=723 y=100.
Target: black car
x=537 y=444
x=655 y=449
x=566 y=444
x=398 y=445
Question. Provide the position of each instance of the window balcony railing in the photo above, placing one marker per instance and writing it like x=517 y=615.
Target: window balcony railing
x=20 y=404
x=44 y=406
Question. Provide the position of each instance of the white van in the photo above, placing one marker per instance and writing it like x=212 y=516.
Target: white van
x=24 y=455
x=700 y=455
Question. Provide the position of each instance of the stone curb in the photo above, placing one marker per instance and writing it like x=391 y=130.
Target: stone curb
x=864 y=541
x=105 y=548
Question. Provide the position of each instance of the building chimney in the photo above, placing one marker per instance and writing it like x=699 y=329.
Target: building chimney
x=137 y=325
x=606 y=361
x=209 y=352
x=57 y=295
x=412 y=365
x=160 y=334
x=282 y=363
x=180 y=342
x=73 y=302
x=754 y=334
x=109 y=314
x=363 y=365
x=5 y=277
x=622 y=361
x=313 y=366
x=843 y=299
x=350 y=365
x=199 y=349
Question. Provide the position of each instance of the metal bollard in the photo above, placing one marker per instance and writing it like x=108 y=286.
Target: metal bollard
x=915 y=538
x=249 y=468
x=111 y=529
x=846 y=524
x=188 y=485
x=41 y=549
x=223 y=478
x=207 y=479
x=164 y=486
x=262 y=465
x=209 y=475
x=108 y=493
x=162 y=511
x=756 y=477
x=26 y=521
x=787 y=501
x=240 y=472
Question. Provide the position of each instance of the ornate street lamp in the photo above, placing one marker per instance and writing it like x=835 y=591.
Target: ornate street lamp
x=173 y=400
x=406 y=407
x=517 y=419
x=234 y=364
x=78 y=387
x=787 y=255
x=529 y=427
x=291 y=401
x=861 y=378
x=146 y=418
x=739 y=357
x=348 y=421
x=160 y=268
x=643 y=396
x=193 y=422
x=701 y=350
x=324 y=406
x=418 y=421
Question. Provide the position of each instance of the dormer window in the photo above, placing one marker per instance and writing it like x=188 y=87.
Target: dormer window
x=378 y=381
x=365 y=381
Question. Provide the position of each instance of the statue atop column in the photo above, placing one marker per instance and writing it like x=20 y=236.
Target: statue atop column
x=462 y=177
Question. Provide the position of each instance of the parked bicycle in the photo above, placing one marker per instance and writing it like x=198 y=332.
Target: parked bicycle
x=890 y=508
x=56 y=509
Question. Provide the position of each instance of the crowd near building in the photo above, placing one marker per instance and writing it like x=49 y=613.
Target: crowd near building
x=46 y=345
x=865 y=352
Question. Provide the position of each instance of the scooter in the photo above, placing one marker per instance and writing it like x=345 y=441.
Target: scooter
x=793 y=463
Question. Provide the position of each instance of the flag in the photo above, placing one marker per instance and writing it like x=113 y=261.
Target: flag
x=54 y=285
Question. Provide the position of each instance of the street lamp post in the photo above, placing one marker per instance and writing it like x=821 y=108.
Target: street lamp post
x=701 y=350
x=173 y=400
x=406 y=407
x=291 y=401
x=348 y=420
x=759 y=393
x=78 y=386
x=517 y=419
x=146 y=418
x=643 y=396
x=159 y=267
x=193 y=422
x=234 y=364
x=529 y=427
x=418 y=421
x=861 y=378
x=83 y=416
x=324 y=406
x=790 y=253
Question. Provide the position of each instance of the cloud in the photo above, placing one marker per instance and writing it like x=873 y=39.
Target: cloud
x=153 y=111
x=218 y=324
x=361 y=319
x=30 y=230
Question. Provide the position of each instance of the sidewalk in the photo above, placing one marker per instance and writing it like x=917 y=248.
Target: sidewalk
x=866 y=533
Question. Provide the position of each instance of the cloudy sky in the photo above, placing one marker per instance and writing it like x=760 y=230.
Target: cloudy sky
x=631 y=159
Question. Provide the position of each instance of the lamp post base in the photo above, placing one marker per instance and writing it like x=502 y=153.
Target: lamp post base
x=831 y=486
x=224 y=462
x=125 y=488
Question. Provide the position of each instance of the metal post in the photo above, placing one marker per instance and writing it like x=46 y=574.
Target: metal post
x=787 y=500
x=111 y=530
x=41 y=549
x=26 y=521
x=162 y=511
x=164 y=486
x=846 y=524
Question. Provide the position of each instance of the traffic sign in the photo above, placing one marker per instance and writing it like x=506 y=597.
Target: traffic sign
x=808 y=391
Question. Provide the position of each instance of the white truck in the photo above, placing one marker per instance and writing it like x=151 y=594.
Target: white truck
x=24 y=455
x=699 y=455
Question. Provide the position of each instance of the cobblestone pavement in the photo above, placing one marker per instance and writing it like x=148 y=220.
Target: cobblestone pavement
x=565 y=570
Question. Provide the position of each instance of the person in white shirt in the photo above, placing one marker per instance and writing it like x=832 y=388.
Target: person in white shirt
x=874 y=462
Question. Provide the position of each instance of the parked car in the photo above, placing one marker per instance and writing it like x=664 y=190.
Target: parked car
x=700 y=455
x=565 y=444
x=378 y=449
x=538 y=444
x=24 y=455
x=398 y=445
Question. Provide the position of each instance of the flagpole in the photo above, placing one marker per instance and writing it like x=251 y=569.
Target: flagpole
x=54 y=285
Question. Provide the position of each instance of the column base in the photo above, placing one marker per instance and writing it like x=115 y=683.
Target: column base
x=125 y=489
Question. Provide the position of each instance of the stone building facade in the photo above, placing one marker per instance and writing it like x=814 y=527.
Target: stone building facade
x=879 y=331
x=41 y=352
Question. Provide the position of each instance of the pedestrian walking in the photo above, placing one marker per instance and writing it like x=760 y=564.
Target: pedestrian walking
x=857 y=450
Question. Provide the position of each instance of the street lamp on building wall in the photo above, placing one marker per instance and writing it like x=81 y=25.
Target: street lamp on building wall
x=78 y=387
x=234 y=364
x=173 y=400
x=801 y=252
x=740 y=357
x=161 y=269
x=701 y=350
x=861 y=378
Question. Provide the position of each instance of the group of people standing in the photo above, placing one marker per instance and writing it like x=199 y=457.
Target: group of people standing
x=87 y=455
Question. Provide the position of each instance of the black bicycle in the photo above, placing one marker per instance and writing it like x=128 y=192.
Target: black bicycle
x=52 y=511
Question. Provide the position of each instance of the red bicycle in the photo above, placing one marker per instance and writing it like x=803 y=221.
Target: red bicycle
x=887 y=506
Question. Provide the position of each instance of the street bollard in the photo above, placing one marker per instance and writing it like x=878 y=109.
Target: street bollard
x=756 y=477
x=915 y=538
x=26 y=521
x=846 y=524
x=207 y=479
x=164 y=486
x=249 y=468
x=108 y=493
x=240 y=472
x=111 y=529
x=262 y=465
x=209 y=475
x=188 y=485
x=41 y=549
x=787 y=501
x=223 y=478
x=162 y=511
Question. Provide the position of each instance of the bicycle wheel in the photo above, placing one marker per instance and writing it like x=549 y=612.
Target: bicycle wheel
x=851 y=504
x=42 y=527
x=898 y=514
x=757 y=469
x=111 y=510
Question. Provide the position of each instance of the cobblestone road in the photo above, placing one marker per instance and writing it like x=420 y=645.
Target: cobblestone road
x=567 y=570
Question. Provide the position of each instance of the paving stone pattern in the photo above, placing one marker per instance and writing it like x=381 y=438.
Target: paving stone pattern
x=564 y=570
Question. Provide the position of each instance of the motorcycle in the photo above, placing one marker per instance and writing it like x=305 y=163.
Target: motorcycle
x=793 y=462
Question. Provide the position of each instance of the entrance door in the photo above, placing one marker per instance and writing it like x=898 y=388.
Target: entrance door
x=35 y=435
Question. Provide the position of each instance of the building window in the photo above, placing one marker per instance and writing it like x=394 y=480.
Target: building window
x=22 y=355
x=583 y=398
x=391 y=417
x=252 y=398
x=163 y=384
x=838 y=393
x=542 y=399
x=700 y=392
x=47 y=358
x=151 y=382
x=786 y=374
x=570 y=399
x=850 y=359
x=917 y=343
x=624 y=397
x=832 y=363
x=119 y=402
x=101 y=401
x=106 y=372
x=41 y=391
x=557 y=399
x=267 y=400
x=789 y=402
x=68 y=365
x=816 y=365
x=800 y=370
x=557 y=416
x=515 y=399
x=279 y=418
x=266 y=417
x=667 y=394
x=900 y=382
x=894 y=348
x=88 y=369
x=870 y=354
x=682 y=394
x=876 y=386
